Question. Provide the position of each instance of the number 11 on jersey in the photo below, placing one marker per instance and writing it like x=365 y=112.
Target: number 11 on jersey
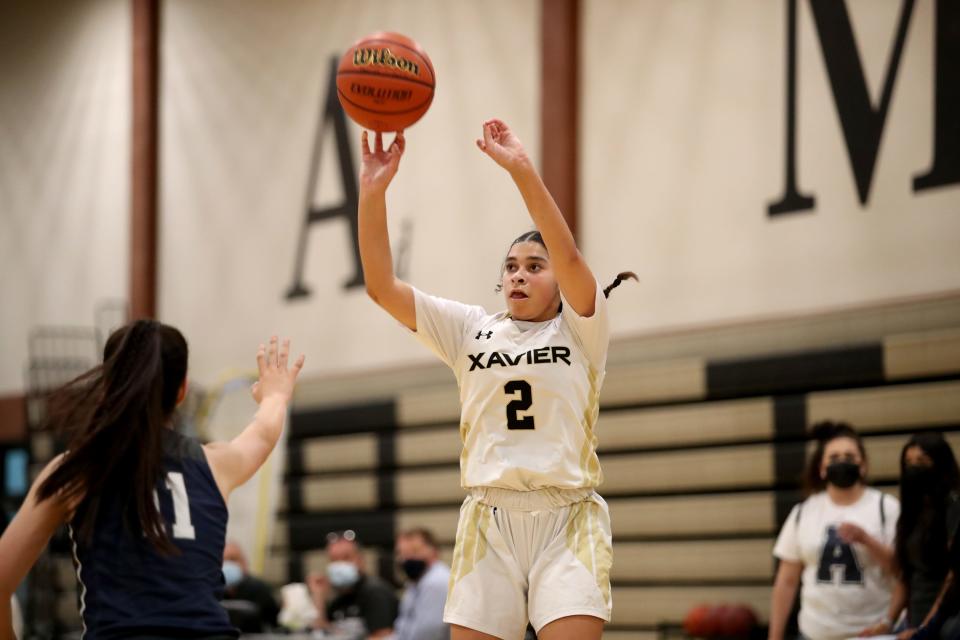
x=517 y=405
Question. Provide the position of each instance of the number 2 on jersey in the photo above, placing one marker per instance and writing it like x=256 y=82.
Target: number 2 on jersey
x=519 y=404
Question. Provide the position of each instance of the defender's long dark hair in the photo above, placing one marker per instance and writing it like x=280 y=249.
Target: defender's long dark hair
x=824 y=432
x=535 y=236
x=927 y=512
x=113 y=419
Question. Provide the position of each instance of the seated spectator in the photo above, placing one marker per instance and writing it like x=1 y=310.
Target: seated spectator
x=421 y=608
x=242 y=586
x=297 y=611
x=351 y=604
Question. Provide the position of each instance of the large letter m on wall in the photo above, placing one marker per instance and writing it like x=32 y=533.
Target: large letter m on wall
x=862 y=122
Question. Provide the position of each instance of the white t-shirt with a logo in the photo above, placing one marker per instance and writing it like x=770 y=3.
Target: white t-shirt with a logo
x=529 y=391
x=843 y=589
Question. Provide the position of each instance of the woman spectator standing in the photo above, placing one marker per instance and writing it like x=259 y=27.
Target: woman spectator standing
x=930 y=499
x=838 y=543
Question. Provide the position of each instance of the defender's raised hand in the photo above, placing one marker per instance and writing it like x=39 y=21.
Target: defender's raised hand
x=275 y=377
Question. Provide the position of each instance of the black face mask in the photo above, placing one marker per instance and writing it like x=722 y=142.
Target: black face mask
x=414 y=568
x=843 y=475
x=920 y=480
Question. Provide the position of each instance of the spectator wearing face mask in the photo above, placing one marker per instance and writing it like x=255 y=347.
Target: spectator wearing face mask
x=930 y=495
x=838 y=543
x=242 y=586
x=421 y=608
x=351 y=604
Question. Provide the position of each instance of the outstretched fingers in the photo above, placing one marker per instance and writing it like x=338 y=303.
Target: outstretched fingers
x=364 y=144
x=298 y=365
x=399 y=144
x=272 y=352
x=284 y=353
x=261 y=359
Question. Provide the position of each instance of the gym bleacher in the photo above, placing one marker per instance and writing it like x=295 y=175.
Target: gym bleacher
x=702 y=441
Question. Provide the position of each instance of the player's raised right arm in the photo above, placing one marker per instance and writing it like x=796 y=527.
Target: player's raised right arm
x=383 y=286
x=233 y=463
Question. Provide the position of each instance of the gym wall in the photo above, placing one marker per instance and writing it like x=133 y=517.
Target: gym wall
x=64 y=168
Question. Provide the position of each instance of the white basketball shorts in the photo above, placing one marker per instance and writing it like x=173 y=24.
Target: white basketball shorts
x=529 y=555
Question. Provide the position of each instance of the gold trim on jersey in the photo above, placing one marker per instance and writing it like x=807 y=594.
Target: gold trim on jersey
x=589 y=462
x=471 y=544
x=464 y=452
x=587 y=542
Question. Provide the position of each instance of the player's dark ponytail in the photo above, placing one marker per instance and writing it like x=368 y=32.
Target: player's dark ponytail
x=623 y=275
x=535 y=236
x=113 y=419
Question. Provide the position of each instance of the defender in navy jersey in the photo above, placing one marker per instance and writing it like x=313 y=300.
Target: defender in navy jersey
x=145 y=506
x=533 y=542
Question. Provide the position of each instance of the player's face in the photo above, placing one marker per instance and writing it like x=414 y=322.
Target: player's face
x=842 y=450
x=529 y=284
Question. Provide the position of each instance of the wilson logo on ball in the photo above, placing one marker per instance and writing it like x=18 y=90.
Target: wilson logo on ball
x=384 y=58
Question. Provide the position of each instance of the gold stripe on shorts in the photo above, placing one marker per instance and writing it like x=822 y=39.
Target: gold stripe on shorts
x=586 y=540
x=471 y=544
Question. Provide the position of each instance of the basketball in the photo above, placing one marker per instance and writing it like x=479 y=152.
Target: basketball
x=712 y=621
x=385 y=82
x=695 y=621
x=737 y=621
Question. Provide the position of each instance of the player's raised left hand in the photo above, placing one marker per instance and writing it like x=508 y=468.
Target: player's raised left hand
x=501 y=144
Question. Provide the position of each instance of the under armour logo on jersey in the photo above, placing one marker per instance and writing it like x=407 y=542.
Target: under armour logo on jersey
x=838 y=557
x=481 y=334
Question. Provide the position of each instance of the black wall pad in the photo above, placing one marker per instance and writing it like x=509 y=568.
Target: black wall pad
x=789 y=454
x=860 y=365
x=374 y=416
x=309 y=531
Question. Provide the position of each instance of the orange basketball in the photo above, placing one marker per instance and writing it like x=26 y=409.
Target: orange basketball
x=737 y=621
x=695 y=621
x=713 y=620
x=385 y=82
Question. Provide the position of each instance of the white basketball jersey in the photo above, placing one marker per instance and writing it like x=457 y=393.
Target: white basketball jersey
x=844 y=590
x=529 y=391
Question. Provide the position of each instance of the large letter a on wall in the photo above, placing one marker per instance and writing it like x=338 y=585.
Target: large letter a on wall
x=331 y=114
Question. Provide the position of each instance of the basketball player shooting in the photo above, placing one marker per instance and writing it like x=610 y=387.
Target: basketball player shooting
x=533 y=541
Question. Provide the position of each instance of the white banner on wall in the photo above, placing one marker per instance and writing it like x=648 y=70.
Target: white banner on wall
x=245 y=86
x=686 y=161
x=688 y=172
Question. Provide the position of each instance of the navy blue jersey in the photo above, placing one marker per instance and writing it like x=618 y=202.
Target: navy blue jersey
x=128 y=588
